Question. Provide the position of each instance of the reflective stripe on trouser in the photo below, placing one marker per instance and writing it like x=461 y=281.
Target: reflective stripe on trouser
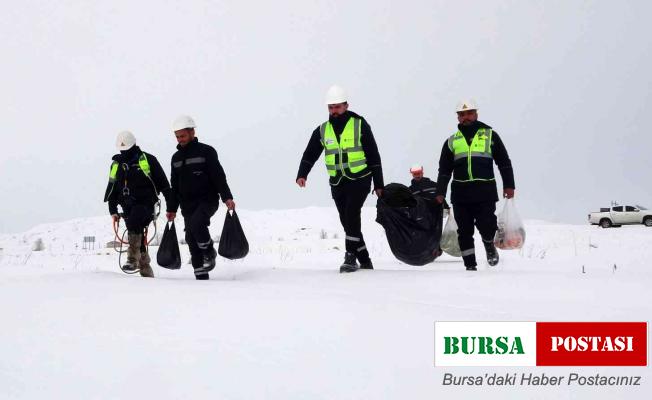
x=204 y=245
x=480 y=215
x=197 y=221
x=357 y=246
x=349 y=197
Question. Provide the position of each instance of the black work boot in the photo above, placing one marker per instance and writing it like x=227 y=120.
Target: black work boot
x=208 y=259
x=468 y=256
x=492 y=253
x=349 y=265
x=362 y=254
x=198 y=266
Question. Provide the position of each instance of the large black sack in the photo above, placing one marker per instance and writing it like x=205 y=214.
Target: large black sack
x=412 y=224
x=233 y=242
x=168 y=255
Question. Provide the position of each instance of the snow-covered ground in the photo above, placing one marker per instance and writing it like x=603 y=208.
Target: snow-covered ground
x=283 y=323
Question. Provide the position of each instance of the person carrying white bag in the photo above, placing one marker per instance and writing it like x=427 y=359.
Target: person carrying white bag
x=468 y=157
x=449 y=242
x=511 y=233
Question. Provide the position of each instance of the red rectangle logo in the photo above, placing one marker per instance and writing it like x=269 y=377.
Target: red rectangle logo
x=591 y=343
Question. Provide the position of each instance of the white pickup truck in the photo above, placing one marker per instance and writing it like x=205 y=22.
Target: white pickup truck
x=621 y=215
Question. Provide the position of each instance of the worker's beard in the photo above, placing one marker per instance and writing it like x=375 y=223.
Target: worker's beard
x=337 y=117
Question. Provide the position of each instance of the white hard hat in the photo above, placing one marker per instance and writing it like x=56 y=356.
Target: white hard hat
x=125 y=140
x=336 y=95
x=466 y=104
x=416 y=168
x=183 y=122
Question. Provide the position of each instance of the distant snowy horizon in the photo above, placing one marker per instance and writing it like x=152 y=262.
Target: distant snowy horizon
x=222 y=210
x=95 y=222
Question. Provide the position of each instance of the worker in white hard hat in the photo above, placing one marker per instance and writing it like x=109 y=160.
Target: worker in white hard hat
x=352 y=162
x=467 y=157
x=198 y=182
x=135 y=181
x=425 y=188
x=422 y=185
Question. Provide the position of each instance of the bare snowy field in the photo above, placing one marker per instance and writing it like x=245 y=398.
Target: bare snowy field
x=284 y=324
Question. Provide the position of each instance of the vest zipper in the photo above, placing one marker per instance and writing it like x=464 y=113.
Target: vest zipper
x=468 y=161
x=339 y=148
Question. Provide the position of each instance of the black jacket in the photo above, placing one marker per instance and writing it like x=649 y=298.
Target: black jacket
x=141 y=189
x=476 y=191
x=425 y=188
x=315 y=148
x=197 y=176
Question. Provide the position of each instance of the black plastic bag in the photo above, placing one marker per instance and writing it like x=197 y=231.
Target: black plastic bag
x=168 y=255
x=412 y=224
x=233 y=242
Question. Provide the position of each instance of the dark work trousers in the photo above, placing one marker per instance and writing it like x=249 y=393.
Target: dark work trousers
x=137 y=218
x=349 y=197
x=197 y=221
x=483 y=216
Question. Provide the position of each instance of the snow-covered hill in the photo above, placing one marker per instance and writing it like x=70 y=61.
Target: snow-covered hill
x=283 y=323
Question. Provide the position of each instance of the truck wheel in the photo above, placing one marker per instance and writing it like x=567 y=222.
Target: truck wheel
x=605 y=223
x=647 y=221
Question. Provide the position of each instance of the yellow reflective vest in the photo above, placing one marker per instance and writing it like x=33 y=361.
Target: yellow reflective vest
x=143 y=164
x=346 y=156
x=474 y=162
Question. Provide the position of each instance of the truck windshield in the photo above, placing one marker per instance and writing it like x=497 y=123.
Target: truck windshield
x=641 y=207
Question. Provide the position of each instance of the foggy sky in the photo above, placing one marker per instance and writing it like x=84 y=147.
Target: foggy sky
x=565 y=83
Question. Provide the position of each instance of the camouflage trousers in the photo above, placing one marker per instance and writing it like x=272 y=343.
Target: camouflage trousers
x=137 y=256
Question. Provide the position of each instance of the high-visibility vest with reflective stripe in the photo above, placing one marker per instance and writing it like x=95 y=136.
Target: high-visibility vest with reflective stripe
x=349 y=144
x=474 y=162
x=142 y=163
x=113 y=173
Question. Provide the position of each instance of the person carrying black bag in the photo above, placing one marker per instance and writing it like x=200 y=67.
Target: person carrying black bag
x=233 y=242
x=352 y=162
x=198 y=181
x=168 y=254
x=424 y=187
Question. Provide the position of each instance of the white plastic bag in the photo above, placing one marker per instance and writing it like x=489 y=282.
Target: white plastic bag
x=448 y=242
x=511 y=232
